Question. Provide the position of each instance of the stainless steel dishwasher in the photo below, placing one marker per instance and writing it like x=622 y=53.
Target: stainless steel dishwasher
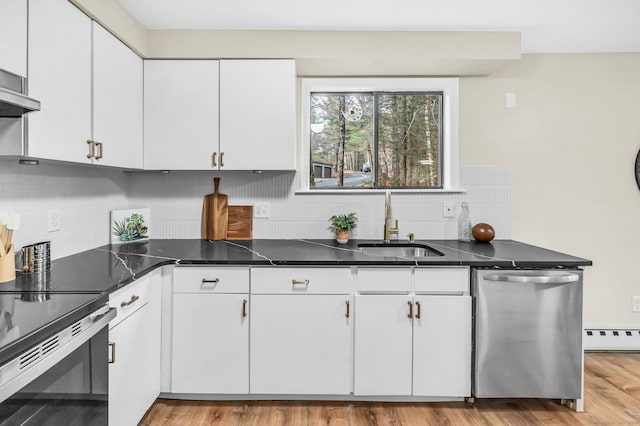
x=527 y=333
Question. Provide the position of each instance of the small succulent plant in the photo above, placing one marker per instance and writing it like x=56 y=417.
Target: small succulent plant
x=130 y=228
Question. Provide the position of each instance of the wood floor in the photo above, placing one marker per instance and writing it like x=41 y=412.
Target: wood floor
x=612 y=397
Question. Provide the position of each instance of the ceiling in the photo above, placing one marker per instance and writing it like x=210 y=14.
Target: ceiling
x=546 y=26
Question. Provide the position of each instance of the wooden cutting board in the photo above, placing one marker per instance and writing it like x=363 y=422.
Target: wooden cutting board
x=240 y=223
x=215 y=214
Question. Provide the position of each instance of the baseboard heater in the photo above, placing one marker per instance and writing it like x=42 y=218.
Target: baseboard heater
x=612 y=339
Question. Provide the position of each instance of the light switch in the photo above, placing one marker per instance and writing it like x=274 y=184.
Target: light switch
x=509 y=100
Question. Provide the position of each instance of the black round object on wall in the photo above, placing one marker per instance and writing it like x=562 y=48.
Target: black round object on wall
x=637 y=169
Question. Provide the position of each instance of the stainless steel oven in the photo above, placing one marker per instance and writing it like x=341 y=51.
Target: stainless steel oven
x=54 y=367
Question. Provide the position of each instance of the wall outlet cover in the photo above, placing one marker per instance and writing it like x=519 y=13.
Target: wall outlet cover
x=53 y=220
x=262 y=210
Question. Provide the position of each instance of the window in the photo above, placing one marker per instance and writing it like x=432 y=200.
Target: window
x=380 y=133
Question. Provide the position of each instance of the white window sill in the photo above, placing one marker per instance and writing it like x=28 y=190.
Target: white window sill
x=379 y=191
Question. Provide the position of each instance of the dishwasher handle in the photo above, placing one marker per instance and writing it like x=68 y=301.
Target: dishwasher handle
x=533 y=279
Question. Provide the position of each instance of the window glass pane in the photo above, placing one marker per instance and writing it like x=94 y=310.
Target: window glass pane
x=409 y=140
x=341 y=141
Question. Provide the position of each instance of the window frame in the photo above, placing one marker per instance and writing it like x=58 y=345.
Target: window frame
x=449 y=86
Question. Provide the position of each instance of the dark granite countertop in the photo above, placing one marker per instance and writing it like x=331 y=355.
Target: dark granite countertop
x=110 y=267
x=100 y=271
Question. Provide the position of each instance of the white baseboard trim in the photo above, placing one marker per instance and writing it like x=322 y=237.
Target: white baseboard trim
x=612 y=339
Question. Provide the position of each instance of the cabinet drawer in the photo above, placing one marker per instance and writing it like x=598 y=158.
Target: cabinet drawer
x=196 y=279
x=300 y=280
x=442 y=280
x=384 y=279
x=129 y=299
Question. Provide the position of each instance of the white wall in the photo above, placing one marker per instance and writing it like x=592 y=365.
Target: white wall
x=85 y=196
x=176 y=199
x=571 y=144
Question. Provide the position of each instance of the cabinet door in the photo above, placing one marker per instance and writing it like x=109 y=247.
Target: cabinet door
x=383 y=355
x=60 y=78
x=300 y=344
x=13 y=36
x=180 y=114
x=117 y=101
x=442 y=346
x=210 y=344
x=134 y=373
x=258 y=114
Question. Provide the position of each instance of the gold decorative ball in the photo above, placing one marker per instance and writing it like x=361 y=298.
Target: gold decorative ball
x=483 y=232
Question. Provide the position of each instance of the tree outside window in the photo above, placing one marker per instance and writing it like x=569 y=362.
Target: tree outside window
x=376 y=140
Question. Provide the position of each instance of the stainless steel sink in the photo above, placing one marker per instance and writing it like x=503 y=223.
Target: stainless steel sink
x=398 y=250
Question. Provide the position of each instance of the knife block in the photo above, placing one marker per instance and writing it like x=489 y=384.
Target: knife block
x=8 y=266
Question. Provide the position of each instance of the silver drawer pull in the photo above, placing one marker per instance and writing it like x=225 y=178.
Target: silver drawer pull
x=294 y=281
x=112 y=352
x=133 y=299
x=211 y=280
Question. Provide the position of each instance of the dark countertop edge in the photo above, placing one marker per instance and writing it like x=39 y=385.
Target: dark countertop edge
x=473 y=264
x=36 y=337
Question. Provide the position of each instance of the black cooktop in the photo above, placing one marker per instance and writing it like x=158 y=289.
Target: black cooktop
x=26 y=318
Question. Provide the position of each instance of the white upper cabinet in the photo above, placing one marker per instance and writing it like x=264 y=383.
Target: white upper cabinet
x=89 y=85
x=13 y=36
x=180 y=114
x=219 y=115
x=60 y=78
x=117 y=101
x=258 y=114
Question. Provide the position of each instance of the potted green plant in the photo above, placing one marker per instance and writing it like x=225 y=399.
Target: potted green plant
x=343 y=224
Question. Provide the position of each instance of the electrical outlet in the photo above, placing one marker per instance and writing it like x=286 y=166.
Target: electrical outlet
x=636 y=303
x=53 y=220
x=262 y=210
x=448 y=207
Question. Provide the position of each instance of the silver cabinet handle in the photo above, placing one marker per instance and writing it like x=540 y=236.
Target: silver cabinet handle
x=294 y=281
x=132 y=300
x=211 y=280
x=533 y=279
x=99 y=155
x=92 y=148
x=112 y=354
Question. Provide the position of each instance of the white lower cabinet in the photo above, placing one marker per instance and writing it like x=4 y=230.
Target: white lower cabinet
x=301 y=336
x=210 y=330
x=412 y=344
x=383 y=353
x=210 y=344
x=134 y=339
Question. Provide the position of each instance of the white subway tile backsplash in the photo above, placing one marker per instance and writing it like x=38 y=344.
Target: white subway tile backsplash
x=86 y=195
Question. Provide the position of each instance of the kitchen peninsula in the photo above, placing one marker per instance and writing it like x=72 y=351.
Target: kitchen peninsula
x=309 y=303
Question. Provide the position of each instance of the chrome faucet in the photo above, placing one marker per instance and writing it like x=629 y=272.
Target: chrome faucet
x=387 y=216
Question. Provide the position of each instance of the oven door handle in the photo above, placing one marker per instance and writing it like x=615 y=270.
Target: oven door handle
x=100 y=313
x=534 y=279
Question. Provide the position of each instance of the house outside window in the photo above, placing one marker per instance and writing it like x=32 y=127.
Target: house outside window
x=368 y=134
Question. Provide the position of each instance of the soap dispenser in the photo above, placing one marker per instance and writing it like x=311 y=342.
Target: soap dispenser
x=464 y=223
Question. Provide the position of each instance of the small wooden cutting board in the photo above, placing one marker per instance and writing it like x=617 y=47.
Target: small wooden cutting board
x=215 y=214
x=240 y=223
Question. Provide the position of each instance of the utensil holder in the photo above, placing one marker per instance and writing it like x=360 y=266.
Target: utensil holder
x=8 y=266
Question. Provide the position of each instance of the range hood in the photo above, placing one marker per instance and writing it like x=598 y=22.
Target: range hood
x=13 y=101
